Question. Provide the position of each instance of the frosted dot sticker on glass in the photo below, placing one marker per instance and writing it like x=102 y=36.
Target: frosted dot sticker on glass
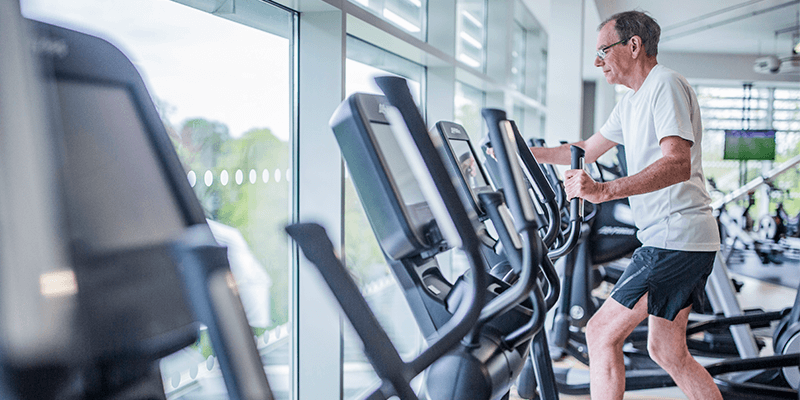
x=208 y=178
x=239 y=177
x=223 y=178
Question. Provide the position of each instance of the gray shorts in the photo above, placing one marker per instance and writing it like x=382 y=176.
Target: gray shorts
x=673 y=280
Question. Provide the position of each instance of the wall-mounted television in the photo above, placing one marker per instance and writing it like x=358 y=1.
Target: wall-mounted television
x=749 y=144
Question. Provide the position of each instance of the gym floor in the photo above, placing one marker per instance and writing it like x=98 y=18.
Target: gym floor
x=755 y=293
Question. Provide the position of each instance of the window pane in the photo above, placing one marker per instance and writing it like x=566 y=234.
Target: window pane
x=724 y=108
x=223 y=90
x=518 y=57
x=519 y=118
x=363 y=255
x=471 y=31
x=365 y=62
x=468 y=104
x=408 y=15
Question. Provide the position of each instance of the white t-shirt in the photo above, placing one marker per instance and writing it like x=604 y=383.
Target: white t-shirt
x=677 y=217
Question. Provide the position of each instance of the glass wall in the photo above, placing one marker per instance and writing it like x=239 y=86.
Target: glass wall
x=519 y=58
x=471 y=31
x=223 y=88
x=408 y=15
x=528 y=72
x=756 y=108
x=468 y=104
x=362 y=253
x=728 y=108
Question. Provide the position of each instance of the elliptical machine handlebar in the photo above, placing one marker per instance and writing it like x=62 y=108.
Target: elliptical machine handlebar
x=519 y=202
x=542 y=186
x=552 y=176
x=576 y=209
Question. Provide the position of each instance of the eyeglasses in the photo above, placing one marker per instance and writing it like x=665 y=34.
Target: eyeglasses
x=601 y=54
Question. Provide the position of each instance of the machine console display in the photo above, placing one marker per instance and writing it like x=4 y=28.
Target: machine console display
x=389 y=191
x=461 y=159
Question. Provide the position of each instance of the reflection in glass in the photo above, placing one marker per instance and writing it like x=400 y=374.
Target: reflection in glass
x=466 y=162
x=468 y=104
x=471 y=31
x=518 y=57
x=408 y=15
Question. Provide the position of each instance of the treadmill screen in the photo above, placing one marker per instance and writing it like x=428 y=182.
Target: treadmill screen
x=403 y=178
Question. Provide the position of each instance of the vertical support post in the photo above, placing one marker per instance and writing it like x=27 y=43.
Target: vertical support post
x=320 y=175
x=719 y=282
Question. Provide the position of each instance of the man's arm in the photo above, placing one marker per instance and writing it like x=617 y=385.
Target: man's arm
x=673 y=167
x=595 y=147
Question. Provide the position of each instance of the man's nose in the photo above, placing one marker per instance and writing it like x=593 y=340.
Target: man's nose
x=597 y=61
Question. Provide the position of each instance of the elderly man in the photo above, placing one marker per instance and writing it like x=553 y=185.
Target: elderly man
x=659 y=124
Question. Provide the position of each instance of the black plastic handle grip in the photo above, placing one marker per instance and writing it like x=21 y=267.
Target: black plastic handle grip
x=515 y=194
x=533 y=249
x=552 y=176
x=535 y=171
x=577 y=155
x=542 y=185
x=317 y=247
x=576 y=209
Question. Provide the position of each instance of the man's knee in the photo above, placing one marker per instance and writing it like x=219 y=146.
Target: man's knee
x=599 y=335
x=668 y=355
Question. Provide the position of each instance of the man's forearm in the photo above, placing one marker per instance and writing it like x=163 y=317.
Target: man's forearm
x=665 y=172
x=552 y=155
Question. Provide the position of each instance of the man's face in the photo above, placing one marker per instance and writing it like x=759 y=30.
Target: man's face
x=617 y=61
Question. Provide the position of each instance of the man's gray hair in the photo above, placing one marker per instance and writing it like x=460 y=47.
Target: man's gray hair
x=637 y=23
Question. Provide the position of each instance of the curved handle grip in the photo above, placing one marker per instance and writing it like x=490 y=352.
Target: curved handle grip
x=317 y=247
x=518 y=200
x=502 y=139
x=541 y=184
x=552 y=176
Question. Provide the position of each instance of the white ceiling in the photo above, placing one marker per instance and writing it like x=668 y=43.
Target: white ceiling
x=718 y=26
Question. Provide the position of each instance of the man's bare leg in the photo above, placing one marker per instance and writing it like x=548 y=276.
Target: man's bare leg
x=666 y=343
x=605 y=335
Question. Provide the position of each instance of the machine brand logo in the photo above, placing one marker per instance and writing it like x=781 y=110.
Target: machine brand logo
x=382 y=107
x=52 y=47
x=453 y=129
x=616 y=230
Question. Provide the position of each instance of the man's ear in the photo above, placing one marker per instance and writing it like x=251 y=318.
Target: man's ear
x=636 y=46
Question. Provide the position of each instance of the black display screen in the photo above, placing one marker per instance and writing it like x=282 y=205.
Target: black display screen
x=402 y=177
x=118 y=195
x=468 y=164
